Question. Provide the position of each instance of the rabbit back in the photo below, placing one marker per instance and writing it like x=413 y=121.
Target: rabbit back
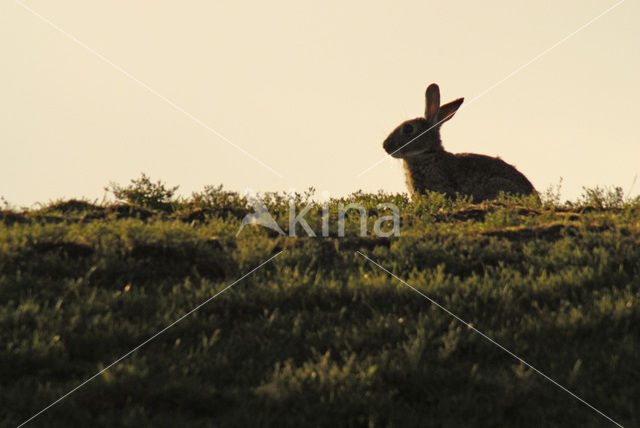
x=479 y=176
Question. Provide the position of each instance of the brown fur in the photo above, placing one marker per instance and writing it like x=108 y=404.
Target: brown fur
x=429 y=167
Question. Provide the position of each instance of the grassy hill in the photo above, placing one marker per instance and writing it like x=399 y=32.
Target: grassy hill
x=320 y=335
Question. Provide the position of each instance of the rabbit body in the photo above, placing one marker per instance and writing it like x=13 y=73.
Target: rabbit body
x=429 y=167
x=479 y=176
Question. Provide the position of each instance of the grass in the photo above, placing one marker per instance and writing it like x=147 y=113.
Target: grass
x=320 y=336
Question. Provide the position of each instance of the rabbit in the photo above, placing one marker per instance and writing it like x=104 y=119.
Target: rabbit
x=429 y=167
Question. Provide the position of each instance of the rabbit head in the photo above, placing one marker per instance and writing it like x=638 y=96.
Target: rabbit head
x=422 y=135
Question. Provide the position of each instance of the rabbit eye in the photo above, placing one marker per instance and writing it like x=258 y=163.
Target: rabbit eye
x=407 y=129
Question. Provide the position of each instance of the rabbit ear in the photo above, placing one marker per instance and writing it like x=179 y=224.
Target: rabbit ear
x=447 y=111
x=433 y=103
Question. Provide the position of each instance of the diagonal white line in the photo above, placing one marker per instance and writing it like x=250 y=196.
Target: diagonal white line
x=490 y=339
x=508 y=76
x=149 y=339
x=149 y=88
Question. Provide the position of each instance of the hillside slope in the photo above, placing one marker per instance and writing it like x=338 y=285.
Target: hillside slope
x=320 y=335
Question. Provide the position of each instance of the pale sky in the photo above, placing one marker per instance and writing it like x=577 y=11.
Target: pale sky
x=310 y=89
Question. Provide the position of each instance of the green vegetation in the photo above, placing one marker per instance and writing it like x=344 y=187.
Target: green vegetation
x=320 y=336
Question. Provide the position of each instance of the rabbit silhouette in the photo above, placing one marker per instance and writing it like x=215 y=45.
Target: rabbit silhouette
x=429 y=167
